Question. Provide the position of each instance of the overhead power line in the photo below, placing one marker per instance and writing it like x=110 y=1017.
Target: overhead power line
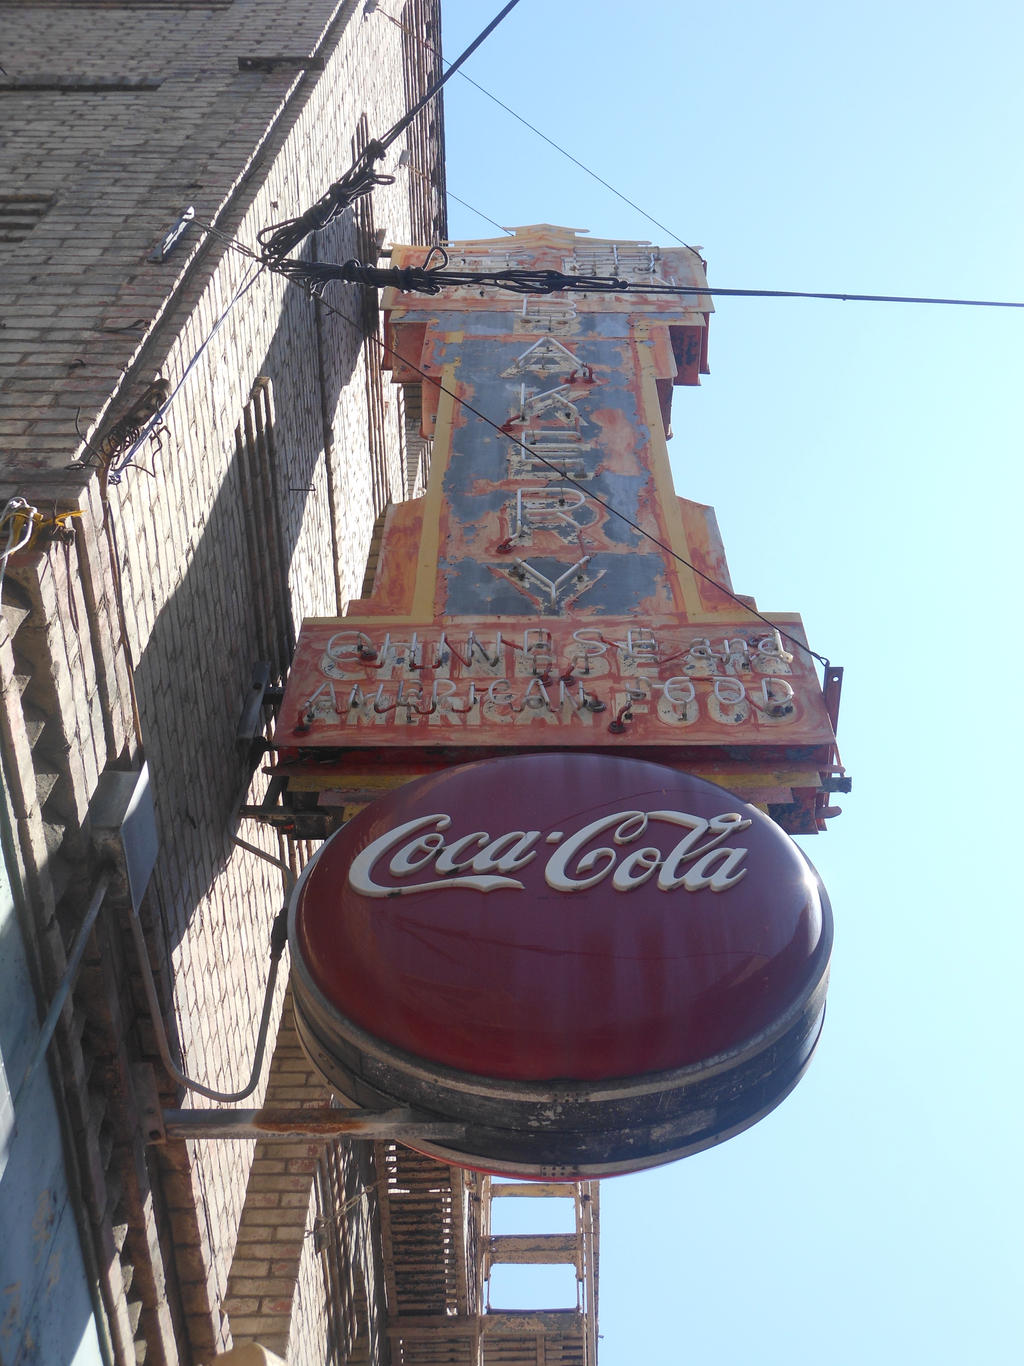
x=471 y=207
x=543 y=136
x=428 y=279
x=279 y=239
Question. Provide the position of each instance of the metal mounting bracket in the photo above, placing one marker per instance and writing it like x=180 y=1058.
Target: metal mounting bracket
x=322 y=1121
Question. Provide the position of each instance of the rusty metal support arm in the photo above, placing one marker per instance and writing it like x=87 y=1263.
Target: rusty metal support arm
x=324 y=1122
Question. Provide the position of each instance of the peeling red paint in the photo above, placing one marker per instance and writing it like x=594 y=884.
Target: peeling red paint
x=618 y=441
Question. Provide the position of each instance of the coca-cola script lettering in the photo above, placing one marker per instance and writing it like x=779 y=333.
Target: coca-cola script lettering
x=639 y=852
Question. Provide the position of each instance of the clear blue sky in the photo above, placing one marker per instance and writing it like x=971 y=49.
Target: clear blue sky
x=865 y=463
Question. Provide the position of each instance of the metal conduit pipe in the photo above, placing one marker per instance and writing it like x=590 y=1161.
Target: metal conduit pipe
x=75 y=1160
x=278 y=939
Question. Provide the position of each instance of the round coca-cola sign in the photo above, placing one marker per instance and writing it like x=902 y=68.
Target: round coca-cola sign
x=576 y=925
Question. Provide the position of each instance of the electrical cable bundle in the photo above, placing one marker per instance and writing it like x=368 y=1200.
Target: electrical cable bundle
x=279 y=239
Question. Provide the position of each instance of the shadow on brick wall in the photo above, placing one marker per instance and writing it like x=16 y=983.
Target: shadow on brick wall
x=249 y=523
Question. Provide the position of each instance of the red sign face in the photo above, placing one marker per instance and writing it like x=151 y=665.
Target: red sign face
x=560 y=915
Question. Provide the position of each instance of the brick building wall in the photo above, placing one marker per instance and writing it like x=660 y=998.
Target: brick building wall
x=132 y=627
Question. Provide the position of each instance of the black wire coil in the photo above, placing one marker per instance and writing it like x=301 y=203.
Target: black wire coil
x=277 y=240
x=314 y=276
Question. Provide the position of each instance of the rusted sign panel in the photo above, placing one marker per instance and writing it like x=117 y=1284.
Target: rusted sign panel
x=563 y=683
x=550 y=589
